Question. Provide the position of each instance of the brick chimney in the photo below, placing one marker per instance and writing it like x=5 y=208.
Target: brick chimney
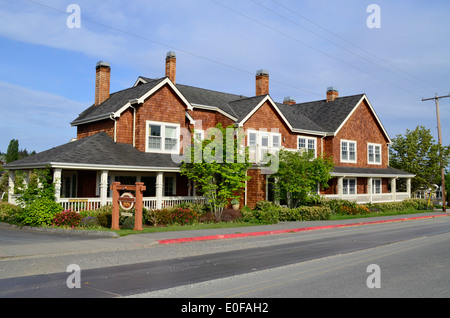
x=332 y=94
x=171 y=66
x=289 y=100
x=102 y=82
x=262 y=82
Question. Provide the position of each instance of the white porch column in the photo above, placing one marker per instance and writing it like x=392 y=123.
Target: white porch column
x=370 y=188
x=11 y=180
x=159 y=189
x=57 y=183
x=341 y=187
x=408 y=187
x=103 y=187
x=394 y=188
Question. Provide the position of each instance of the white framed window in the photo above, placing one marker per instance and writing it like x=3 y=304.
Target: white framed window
x=307 y=143
x=348 y=151
x=199 y=134
x=162 y=137
x=261 y=143
x=349 y=186
x=169 y=186
x=374 y=154
x=376 y=186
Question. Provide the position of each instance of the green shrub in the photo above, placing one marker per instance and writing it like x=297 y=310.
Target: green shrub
x=266 y=212
x=105 y=219
x=184 y=216
x=9 y=212
x=159 y=217
x=408 y=204
x=128 y=223
x=287 y=214
x=89 y=222
x=67 y=218
x=41 y=212
x=315 y=213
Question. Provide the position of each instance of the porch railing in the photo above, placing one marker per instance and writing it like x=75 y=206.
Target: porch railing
x=376 y=198
x=149 y=203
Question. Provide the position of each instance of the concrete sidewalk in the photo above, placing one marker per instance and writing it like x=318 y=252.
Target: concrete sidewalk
x=103 y=241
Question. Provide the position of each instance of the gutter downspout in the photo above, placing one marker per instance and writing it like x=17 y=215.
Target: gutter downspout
x=115 y=126
x=134 y=101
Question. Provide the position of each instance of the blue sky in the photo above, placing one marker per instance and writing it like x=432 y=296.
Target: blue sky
x=47 y=69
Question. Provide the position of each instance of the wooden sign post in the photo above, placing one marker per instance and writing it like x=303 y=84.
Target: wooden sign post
x=128 y=200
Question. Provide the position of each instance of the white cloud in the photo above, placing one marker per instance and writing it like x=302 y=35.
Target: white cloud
x=39 y=120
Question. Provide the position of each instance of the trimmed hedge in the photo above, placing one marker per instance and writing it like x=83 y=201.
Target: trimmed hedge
x=269 y=213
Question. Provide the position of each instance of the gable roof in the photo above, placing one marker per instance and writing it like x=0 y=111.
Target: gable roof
x=121 y=100
x=94 y=152
x=316 y=117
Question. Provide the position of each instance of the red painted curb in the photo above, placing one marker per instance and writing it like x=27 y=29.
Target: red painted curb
x=237 y=235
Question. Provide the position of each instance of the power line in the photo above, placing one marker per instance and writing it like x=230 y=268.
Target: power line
x=354 y=45
x=309 y=46
x=333 y=42
x=140 y=37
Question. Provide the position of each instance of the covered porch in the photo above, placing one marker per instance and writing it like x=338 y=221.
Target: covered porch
x=369 y=185
x=83 y=170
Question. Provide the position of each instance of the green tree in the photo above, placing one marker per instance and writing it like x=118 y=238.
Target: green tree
x=12 y=153
x=417 y=152
x=298 y=176
x=218 y=165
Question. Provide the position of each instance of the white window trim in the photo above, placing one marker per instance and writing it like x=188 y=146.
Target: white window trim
x=201 y=134
x=348 y=186
x=356 y=151
x=258 y=146
x=174 y=184
x=374 y=160
x=308 y=138
x=163 y=132
x=374 y=187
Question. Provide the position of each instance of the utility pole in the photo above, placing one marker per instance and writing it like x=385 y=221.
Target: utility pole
x=436 y=99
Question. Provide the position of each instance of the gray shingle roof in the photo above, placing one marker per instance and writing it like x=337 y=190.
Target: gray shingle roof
x=98 y=149
x=115 y=101
x=371 y=171
x=328 y=115
x=317 y=116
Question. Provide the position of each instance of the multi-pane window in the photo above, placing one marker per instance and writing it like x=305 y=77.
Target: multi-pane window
x=163 y=137
x=262 y=143
x=376 y=186
x=348 y=151
x=169 y=186
x=349 y=186
x=154 y=141
x=171 y=138
x=307 y=143
x=374 y=153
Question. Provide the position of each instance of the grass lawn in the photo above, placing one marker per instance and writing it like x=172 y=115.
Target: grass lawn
x=150 y=229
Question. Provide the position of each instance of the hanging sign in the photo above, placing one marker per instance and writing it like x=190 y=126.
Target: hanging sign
x=127 y=201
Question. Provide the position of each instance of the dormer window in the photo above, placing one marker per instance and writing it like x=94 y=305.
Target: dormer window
x=163 y=137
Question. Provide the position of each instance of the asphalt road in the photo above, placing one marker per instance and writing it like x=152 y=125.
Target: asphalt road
x=247 y=261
